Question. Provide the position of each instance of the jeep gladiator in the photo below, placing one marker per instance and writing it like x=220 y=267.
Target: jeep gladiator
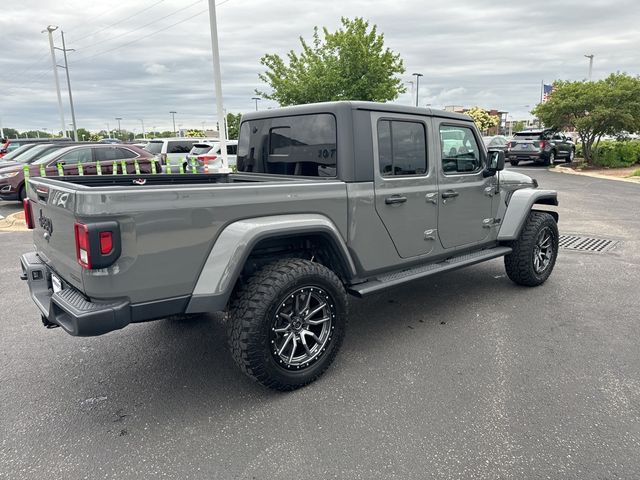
x=329 y=199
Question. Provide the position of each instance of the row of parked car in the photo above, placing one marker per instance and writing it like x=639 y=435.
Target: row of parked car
x=63 y=157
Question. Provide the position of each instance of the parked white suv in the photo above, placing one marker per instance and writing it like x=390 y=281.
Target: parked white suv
x=209 y=152
x=171 y=151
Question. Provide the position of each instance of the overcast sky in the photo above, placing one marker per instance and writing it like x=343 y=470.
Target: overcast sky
x=141 y=59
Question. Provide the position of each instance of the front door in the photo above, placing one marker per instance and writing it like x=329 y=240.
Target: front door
x=465 y=195
x=406 y=190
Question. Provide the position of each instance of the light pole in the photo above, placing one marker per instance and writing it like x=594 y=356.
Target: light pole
x=108 y=131
x=52 y=29
x=66 y=69
x=256 y=100
x=417 y=75
x=144 y=135
x=217 y=79
x=173 y=116
x=590 y=57
x=119 y=132
x=44 y=129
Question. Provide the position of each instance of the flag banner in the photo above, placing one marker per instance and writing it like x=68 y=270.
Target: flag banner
x=546 y=91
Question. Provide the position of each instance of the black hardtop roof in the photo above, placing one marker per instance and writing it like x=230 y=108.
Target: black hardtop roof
x=330 y=107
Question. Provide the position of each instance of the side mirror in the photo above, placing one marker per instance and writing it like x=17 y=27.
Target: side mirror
x=495 y=163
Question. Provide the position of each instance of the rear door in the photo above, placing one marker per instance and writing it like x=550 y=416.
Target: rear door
x=406 y=190
x=465 y=195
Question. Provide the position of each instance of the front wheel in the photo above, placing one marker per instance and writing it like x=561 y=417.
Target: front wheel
x=534 y=253
x=571 y=156
x=287 y=322
x=551 y=159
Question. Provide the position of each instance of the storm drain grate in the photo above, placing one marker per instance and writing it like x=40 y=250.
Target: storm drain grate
x=586 y=244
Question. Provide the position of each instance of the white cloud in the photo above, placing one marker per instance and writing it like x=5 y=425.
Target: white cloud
x=155 y=68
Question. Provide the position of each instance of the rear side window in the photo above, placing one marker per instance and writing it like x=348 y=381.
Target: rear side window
x=402 y=148
x=113 y=153
x=302 y=145
x=232 y=149
x=460 y=152
x=179 y=147
x=125 y=153
x=79 y=155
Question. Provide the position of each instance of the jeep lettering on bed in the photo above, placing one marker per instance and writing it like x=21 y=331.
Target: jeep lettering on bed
x=329 y=199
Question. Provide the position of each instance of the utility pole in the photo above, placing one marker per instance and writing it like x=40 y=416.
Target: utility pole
x=256 y=99
x=119 y=132
x=52 y=29
x=217 y=78
x=173 y=116
x=590 y=57
x=417 y=75
x=66 y=69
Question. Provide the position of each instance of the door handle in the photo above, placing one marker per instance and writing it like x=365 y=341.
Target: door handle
x=449 y=194
x=395 y=199
x=432 y=197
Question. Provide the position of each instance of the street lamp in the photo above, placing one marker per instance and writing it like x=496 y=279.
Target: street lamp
x=412 y=87
x=119 y=132
x=144 y=135
x=50 y=29
x=256 y=100
x=417 y=75
x=590 y=57
x=173 y=116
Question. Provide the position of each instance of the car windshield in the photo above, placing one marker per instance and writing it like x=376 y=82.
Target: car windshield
x=36 y=152
x=18 y=151
x=154 y=147
x=51 y=155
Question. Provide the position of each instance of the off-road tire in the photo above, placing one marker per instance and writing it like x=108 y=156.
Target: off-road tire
x=514 y=163
x=251 y=314
x=519 y=264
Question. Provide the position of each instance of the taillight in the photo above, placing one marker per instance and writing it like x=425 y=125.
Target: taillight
x=83 y=245
x=106 y=243
x=98 y=244
x=28 y=214
x=509 y=145
x=206 y=158
x=542 y=144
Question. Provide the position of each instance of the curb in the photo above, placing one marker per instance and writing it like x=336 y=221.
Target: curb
x=13 y=223
x=571 y=171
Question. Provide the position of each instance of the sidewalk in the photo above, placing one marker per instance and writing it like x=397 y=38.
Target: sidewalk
x=619 y=174
x=13 y=223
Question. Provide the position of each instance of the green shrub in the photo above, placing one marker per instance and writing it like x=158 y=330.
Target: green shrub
x=614 y=154
x=636 y=173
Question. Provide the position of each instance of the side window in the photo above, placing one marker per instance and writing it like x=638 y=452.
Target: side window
x=460 y=152
x=82 y=155
x=124 y=153
x=232 y=149
x=179 y=147
x=107 y=154
x=402 y=148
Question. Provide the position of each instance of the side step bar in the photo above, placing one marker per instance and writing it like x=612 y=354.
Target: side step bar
x=396 y=278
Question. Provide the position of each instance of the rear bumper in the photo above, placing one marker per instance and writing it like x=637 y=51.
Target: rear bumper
x=69 y=308
x=528 y=156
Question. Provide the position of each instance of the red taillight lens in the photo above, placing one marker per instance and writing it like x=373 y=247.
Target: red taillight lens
x=82 y=245
x=542 y=144
x=28 y=215
x=106 y=243
x=206 y=158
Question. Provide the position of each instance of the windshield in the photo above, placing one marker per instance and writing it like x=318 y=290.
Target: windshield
x=36 y=152
x=51 y=155
x=18 y=151
x=154 y=147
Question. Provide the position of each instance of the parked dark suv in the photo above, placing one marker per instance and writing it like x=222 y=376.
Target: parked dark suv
x=540 y=146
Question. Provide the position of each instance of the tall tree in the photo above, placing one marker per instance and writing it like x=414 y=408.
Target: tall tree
x=233 y=124
x=350 y=64
x=594 y=109
x=482 y=118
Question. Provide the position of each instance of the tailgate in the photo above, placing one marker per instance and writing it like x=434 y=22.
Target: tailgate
x=53 y=210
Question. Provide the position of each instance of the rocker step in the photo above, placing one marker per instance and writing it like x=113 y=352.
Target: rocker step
x=396 y=278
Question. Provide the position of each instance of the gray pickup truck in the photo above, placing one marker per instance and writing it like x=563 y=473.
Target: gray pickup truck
x=329 y=199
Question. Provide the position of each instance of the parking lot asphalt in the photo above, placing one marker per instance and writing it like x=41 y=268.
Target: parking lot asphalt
x=461 y=376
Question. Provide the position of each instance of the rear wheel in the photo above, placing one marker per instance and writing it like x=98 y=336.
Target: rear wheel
x=514 y=163
x=287 y=322
x=22 y=193
x=551 y=159
x=534 y=252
